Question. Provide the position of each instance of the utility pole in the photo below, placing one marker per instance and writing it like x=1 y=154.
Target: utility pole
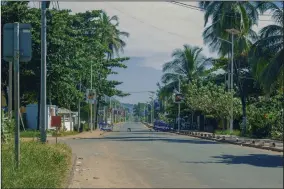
x=17 y=91
x=104 y=118
x=95 y=109
x=178 y=107
x=79 y=107
x=115 y=112
x=232 y=86
x=43 y=73
x=10 y=100
x=145 y=112
x=110 y=111
x=91 y=114
x=153 y=109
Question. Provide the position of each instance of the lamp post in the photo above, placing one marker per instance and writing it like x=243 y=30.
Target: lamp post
x=232 y=32
x=178 y=106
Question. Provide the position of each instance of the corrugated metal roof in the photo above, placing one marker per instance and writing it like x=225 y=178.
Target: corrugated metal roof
x=64 y=111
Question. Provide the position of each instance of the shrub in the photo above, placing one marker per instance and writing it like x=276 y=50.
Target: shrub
x=41 y=165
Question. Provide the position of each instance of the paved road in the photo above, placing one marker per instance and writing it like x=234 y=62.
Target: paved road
x=163 y=160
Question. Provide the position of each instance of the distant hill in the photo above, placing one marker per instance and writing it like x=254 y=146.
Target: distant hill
x=129 y=106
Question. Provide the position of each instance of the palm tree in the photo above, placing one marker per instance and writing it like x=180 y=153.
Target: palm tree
x=268 y=52
x=111 y=35
x=187 y=64
x=240 y=15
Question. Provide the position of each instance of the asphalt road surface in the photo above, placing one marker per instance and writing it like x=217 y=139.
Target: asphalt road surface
x=144 y=159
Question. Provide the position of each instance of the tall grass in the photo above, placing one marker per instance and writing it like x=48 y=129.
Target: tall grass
x=228 y=132
x=41 y=165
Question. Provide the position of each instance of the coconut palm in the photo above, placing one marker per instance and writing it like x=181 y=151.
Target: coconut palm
x=240 y=15
x=187 y=64
x=110 y=34
x=268 y=52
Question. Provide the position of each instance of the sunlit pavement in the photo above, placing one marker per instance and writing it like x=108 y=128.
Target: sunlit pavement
x=164 y=160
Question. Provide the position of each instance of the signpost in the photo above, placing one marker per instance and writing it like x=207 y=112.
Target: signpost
x=56 y=122
x=90 y=96
x=17 y=48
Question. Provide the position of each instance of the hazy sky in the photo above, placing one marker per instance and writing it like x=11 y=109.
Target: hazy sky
x=156 y=29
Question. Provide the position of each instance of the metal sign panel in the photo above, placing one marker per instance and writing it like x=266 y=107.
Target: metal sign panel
x=25 y=42
x=90 y=96
x=55 y=121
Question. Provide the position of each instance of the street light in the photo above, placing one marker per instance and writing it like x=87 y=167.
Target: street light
x=232 y=32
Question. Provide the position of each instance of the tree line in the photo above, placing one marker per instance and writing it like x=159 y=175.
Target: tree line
x=258 y=71
x=76 y=43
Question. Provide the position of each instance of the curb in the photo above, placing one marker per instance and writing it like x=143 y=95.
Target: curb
x=222 y=140
x=71 y=172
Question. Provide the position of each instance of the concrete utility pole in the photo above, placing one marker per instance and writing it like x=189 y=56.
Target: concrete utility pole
x=231 y=78
x=110 y=111
x=43 y=73
x=95 y=109
x=10 y=100
x=178 y=107
x=91 y=114
x=17 y=91
x=232 y=86
x=79 y=107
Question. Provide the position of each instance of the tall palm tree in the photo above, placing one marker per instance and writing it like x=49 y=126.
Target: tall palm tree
x=187 y=64
x=240 y=15
x=111 y=35
x=268 y=52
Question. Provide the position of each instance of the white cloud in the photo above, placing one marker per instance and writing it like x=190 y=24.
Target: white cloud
x=156 y=28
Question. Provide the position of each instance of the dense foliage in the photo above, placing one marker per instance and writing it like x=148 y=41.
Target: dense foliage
x=258 y=70
x=76 y=44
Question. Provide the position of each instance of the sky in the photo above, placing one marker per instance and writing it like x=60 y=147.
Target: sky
x=156 y=29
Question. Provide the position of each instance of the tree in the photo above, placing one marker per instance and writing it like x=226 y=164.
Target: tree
x=239 y=15
x=268 y=52
x=211 y=100
x=75 y=44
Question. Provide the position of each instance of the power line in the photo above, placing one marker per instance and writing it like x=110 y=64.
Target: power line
x=135 y=18
x=202 y=10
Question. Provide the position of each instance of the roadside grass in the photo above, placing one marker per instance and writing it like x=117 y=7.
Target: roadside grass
x=35 y=133
x=41 y=165
x=65 y=133
x=228 y=132
x=29 y=133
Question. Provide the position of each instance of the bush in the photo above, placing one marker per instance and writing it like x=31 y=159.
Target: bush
x=41 y=165
x=86 y=127
x=264 y=118
x=7 y=127
x=228 y=132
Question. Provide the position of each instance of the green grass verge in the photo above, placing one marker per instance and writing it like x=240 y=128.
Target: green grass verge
x=34 y=133
x=65 y=133
x=41 y=165
x=29 y=133
x=228 y=132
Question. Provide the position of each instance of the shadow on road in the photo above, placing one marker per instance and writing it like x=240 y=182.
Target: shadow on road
x=258 y=160
x=150 y=139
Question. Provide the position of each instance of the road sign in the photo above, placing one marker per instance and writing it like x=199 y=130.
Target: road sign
x=179 y=98
x=55 y=121
x=91 y=96
x=25 y=42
